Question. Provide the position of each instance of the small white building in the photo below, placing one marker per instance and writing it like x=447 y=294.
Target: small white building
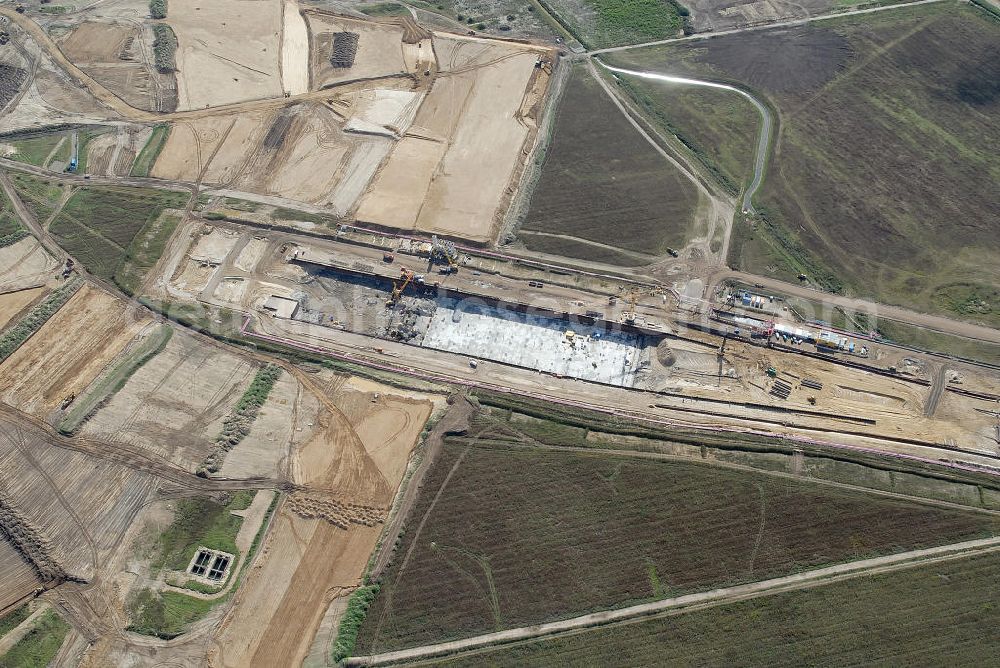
x=281 y=307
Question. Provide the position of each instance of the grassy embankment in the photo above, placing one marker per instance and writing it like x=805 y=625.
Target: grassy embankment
x=12 y=339
x=143 y=164
x=40 y=645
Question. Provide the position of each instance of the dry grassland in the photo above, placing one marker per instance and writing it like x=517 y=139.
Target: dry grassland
x=356 y=453
x=174 y=404
x=68 y=352
x=227 y=51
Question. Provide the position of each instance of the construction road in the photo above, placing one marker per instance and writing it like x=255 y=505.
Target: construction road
x=690 y=602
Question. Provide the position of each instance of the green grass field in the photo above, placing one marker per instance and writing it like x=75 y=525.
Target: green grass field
x=883 y=181
x=601 y=182
x=40 y=645
x=13 y=619
x=519 y=536
x=40 y=196
x=197 y=521
x=99 y=225
x=938 y=615
x=165 y=614
x=11 y=230
x=143 y=164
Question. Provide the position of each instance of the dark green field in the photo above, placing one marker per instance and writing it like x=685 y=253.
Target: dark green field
x=519 y=536
x=884 y=181
x=40 y=645
x=939 y=615
x=602 y=182
x=117 y=232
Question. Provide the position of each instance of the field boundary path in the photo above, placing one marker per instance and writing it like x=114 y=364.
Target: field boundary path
x=689 y=602
x=763 y=26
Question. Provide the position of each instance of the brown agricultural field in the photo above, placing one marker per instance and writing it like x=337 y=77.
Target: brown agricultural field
x=883 y=178
x=502 y=536
x=604 y=184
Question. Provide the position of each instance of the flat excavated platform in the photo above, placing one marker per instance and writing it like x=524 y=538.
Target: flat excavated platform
x=534 y=342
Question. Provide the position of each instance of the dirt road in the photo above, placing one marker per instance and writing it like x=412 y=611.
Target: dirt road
x=690 y=602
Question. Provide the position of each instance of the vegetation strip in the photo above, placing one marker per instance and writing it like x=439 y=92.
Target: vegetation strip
x=151 y=151
x=164 y=46
x=12 y=339
x=237 y=424
x=347 y=633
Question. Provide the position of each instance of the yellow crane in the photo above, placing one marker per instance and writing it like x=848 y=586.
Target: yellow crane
x=406 y=276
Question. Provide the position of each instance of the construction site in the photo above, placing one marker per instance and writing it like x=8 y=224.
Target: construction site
x=272 y=354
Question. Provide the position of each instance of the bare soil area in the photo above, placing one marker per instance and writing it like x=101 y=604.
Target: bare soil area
x=356 y=454
x=65 y=355
x=17 y=577
x=379 y=53
x=174 y=404
x=25 y=264
x=13 y=304
x=228 y=51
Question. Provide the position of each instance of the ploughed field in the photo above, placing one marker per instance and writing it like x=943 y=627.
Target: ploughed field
x=883 y=180
x=503 y=536
x=939 y=614
x=604 y=193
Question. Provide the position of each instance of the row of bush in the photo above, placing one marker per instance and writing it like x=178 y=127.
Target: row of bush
x=158 y=9
x=237 y=424
x=164 y=46
x=12 y=339
x=354 y=616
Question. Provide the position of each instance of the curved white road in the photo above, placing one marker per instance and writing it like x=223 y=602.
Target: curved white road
x=767 y=122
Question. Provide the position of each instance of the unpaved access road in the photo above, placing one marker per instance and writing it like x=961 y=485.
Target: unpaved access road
x=670 y=606
x=877 y=310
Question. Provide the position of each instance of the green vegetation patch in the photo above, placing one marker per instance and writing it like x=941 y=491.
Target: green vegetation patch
x=519 y=536
x=930 y=615
x=143 y=164
x=239 y=421
x=158 y=9
x=347 y=633
x=40 y=645
x=164 y=47
x=36 y=150
x=385 y=9
x=603 y=23
x=116 y=378
x=165 y=614
x=99 y=224
x=602 y=182
x=11 y=230
x=282 y=213
x=199 y=521
x=12 y=339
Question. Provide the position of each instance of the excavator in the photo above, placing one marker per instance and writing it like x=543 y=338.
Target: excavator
x=405 y=278
x=628 y=316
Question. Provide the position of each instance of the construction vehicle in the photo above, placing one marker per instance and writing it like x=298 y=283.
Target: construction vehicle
x=406 y=277
x=628 y=316
x=772 y=372
x=388 y=258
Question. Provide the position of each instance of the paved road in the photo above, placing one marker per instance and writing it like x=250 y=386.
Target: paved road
x=925 y=320
x=767 y=121
x=703 y=599
x=765 y=26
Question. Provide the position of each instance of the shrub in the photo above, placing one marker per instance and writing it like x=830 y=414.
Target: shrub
x=158 y=9
x=357 y=608
x=164 y=46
